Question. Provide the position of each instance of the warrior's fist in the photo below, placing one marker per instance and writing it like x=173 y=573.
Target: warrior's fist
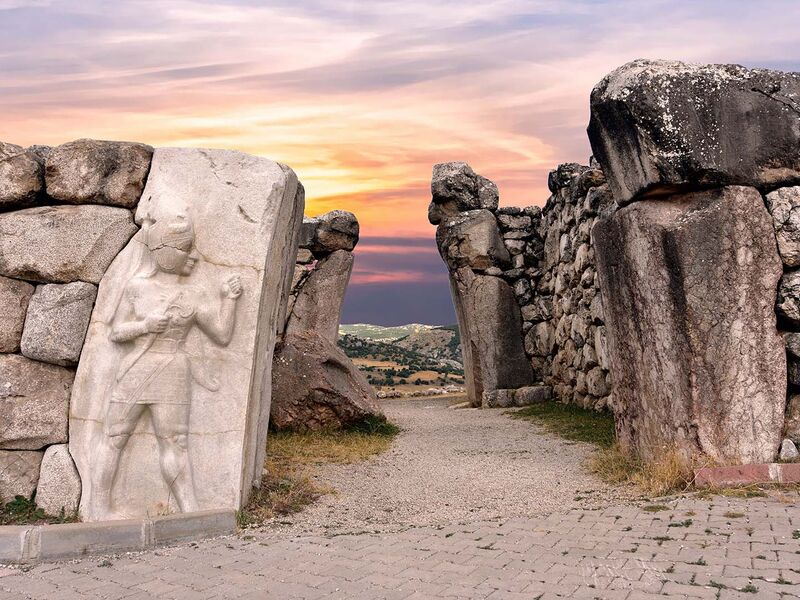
x=232 y=288
x=156 y=322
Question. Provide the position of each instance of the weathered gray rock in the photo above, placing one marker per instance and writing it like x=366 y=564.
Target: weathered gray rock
x=788 y=450
x=34 y=403
x=21 y=176
x=788 y=306
x=490 y=324
x=319 y=299
x=472 y=239
x=59 y=488
x=55 y=327
x=784 y=206
x=659 y=125
x=14 y=298
x=334 y=230
x=61 y=244
x=792 y=425
x=41 y=151
x=456 y=188
x=532 y=394
x=98 y=172
x=689 y=290
x=316 y=386
x=19 y=473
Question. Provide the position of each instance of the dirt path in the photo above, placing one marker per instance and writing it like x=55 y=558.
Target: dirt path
x=450 y=466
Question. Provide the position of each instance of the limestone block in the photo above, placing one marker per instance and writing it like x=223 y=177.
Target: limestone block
x=596 y=382
x=59 y=488
x=14 y=298
x=472 y=239
x=316 y=386
x=497 y=399
x=788 y=450
x=170 y=406
x=532 y=394
x=456 y=188
x=689 y=288
x=788 y=306
x=61 y=244
x=19 y=473
x=98 y=172
x=658 y=125
x=784 y=206
x=21 y=176
x=490 y=324
x=55 y=326
x=34 y=403
x=334 y=230
x=318 y=306
x=540 y=339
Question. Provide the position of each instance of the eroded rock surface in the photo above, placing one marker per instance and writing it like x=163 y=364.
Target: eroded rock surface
x=456 y=188
x=61 y=244
x=21 y=176
x=660 y=125
x=316 y=386
x=14 y=298
x=689 y=293
x=59 y=488
x=472 y=239
x=19 y=473
x=98 y=172
x=334 y=230
x=318 y=303
x=55 y=327
x=34 y=403
x=784 y=206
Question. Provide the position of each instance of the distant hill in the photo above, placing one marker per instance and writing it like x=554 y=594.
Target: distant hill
x=437 y=344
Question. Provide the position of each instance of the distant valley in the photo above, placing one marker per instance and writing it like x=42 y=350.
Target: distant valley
x=407 y=358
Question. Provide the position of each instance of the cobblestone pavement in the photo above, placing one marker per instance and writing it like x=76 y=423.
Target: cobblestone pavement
x=713 y=548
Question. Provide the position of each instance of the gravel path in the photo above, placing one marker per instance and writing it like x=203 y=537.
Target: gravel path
x=450 y=466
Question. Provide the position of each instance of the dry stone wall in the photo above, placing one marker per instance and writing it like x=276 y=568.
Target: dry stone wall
x=66 y=213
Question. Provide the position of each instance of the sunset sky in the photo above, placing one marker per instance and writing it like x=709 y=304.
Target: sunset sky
x=361 y=98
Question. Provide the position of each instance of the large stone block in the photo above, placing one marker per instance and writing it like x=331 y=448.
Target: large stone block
x=316 y=386
x=59 y=488
x=21 y=176
x=472 y=239
x=689 y=290
x=334 y=230
x=170 y=407
x=19 y=473
x=490 y=324
x=456 y=188
x=660 y=125
x=34 y=403
x=55 y=327
x=318 y=305
x=14 y=298
x=98 y=172
x=61 y=244
x=784 y=206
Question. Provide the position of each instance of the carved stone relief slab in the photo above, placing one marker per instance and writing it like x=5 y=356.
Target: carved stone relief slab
x=171 y=398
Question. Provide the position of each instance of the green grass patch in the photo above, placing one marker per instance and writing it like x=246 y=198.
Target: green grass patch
x=571 y=422
x=23 y=511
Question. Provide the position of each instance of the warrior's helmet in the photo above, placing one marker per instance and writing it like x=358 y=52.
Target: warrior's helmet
x=170 y=241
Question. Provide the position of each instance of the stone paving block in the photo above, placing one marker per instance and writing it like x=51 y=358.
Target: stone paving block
x=57 y=541
x=209 y=523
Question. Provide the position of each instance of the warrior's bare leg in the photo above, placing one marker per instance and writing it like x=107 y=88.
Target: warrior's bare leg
x=171 y=422
x=121 y=419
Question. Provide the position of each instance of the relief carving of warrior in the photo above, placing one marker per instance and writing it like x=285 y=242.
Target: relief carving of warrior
x=158 y=309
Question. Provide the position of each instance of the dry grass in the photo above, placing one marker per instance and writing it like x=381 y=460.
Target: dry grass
x=289 y=482
x=670 y=473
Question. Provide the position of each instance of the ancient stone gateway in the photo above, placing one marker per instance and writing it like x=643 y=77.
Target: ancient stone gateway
x=193 y=251
x=660 y=281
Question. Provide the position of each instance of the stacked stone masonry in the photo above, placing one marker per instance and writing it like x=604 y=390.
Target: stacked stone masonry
x=550 y=316
x=65 y=213
x=70 y=216
x=662 y=281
